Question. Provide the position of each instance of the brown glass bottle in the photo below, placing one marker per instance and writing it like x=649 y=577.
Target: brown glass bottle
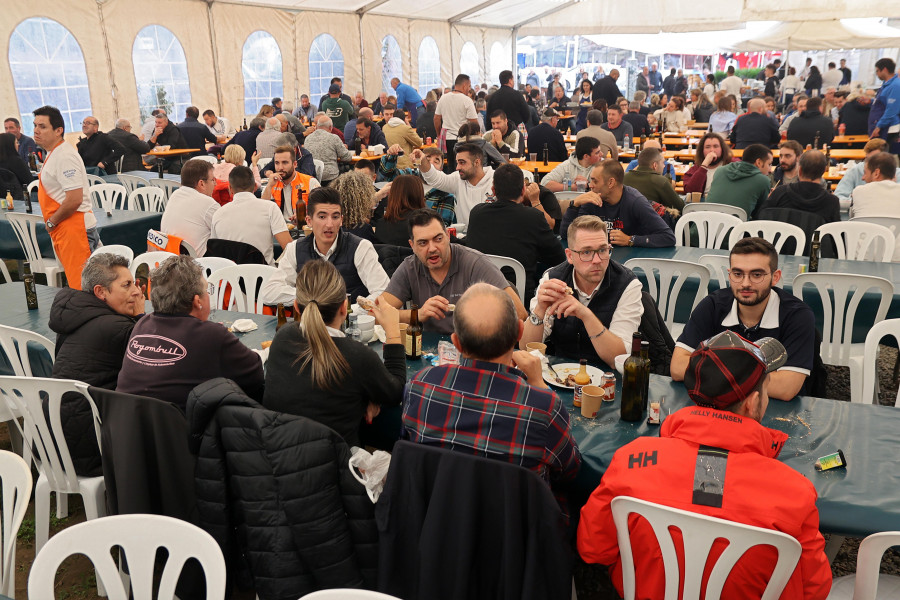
x=30 y=292
x=633 y=383
x=282 y=319
x=413 y=341
x=645 y=372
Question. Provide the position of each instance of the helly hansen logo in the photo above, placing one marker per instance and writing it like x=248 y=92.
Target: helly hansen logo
x=641 y=459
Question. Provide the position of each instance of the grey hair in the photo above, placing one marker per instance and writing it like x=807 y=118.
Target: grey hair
x=100 y=269
x=273 y=124
x=122 y=123
x=174 y=284
x=486 y=339
x=324 y=123
x=256 y=122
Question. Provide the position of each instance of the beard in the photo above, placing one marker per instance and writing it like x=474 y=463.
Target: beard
x=760 y=297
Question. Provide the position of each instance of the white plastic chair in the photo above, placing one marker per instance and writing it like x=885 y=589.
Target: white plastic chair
x=856 y=240
x=518 y=270
x=116 y=249
x=53 y=460
x=4 y=272
x=261 y=163
x=699 y=533
x=151 y=259
x=108 y=196
x=839 y=315
x=33 y=185
x=166 y=185
x=718 y=265
x=892 y=223
x=25 y=226
x=14 y=343
x=867 y=583
x=347 y=594
x=211 y=264
x=147 y=199
x=190 y=250
x=529 y=176
x=672 y=276
x=139 y=537
x=888 y=327
x=735 y=211
x=252 y=277
x=320 y=168
x=132 y=182
x=207 y=158
x=16 y=482
x=712 y=227
x=95 y=180
x=776 y=232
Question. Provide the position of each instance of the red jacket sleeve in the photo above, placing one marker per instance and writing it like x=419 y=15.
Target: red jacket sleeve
x=597 y=542
x=815 y=572
x=695 y=179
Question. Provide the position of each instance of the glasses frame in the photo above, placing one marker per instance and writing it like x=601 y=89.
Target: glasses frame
x=603 y=253
x=752 y=276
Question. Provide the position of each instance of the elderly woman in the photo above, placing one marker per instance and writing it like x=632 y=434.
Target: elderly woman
x=234 y=157
x=356 y=203
x=92 y=331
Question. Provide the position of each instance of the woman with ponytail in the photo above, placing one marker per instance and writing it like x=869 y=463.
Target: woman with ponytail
x=316 y=372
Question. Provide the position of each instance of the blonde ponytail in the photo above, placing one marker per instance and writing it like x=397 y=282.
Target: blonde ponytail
x=320 y=294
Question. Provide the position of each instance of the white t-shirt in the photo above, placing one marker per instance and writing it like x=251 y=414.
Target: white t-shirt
x=250 y=220
x=64 y=171
x=877 y=199
x=455 y=109
x=790 y=84
x=832 y=78
x=189 y=215
x=468 y=196
x=732 y=85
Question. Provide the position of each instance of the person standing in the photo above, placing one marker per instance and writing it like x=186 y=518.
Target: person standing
x=408 y=99
x=452 y=111
x=509 y=100
x=64 y=197
x=885 y=113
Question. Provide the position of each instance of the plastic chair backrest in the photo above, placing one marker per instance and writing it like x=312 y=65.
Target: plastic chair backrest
x=95 y=180
x=699 y=532
x=775 y=232
x=839 y=314
x=118 y=249
x=25 y=396
x=888 y=327
x=712 y=229
x=211 y=264
x=868 y=563
x=320 y=168
x=33 y=185
x=207 y=158
x=140 y=537
x=16 y=483
x=151 y=259
x=516 y=266
x=132 y=182
x=262 y=162
x=529 y=176
x=347 y=594
x=735 y=211
x=892 y=223
x=5 y=272
x=718 y=265
x=148 y=199
x=246 y=282
x=166 y=185
x=14 y=343
x=188 y=249
x=108 y=196
x=25 y=227
x=856 y=240
x=672 y=276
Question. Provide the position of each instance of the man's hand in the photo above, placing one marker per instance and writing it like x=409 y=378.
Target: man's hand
x=255 y=158
x=394 y=150
x=275 y=176
x=619 y=238
x=435 y=307
x=100 y=165
x=372 y=411
x=531 y=366
x=567 y=306
x=709 y=158
x=157 y=132
x=532 y=195
x=548 y=293
x=588 y=198
x=875 y=133
x=381 y=194
x=496 y=138
x=418 y=158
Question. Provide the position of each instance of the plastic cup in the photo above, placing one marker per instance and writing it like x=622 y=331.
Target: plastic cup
x=591 y=400
x=532 y=156
x=542 y=348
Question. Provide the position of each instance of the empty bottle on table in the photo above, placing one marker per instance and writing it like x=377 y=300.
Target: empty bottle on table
x=546 y=155
x=30 y=291
x=353 y=332
x=814 y=247
x=633 y=383
x=282 y=319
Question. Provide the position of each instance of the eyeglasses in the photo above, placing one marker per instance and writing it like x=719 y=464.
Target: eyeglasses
x=588 y=255
x=737 y=276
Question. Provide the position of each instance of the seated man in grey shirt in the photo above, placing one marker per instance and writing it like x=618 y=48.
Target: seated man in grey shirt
x=438 y=274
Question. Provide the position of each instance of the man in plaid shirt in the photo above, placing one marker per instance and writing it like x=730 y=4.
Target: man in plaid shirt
x=442 y=202
x=495 y=402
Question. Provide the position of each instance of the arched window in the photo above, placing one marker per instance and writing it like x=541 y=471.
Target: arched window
x=48 y=69
x=499 y=62
x=429 y=66
x=261 y=66
x=325 y=62
x=391 y=63
x=468 y=63
x=160 y=72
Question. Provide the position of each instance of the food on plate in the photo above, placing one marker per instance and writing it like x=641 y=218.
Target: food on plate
x=364 y=303
x=570 y=380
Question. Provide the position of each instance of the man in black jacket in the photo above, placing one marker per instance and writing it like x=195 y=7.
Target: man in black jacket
x=607 y=88
x=854 y=114
x=807 y=194
x=509 y=100
x=547 y=135
x=132 y=146
x=247 y=139
x=195 y=133
x=754 y=127
x=167 y=134
x=811 y=127
x=96 y=148
x=425 y=125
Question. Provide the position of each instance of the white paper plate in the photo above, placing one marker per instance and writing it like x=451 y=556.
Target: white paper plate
x=570 y=369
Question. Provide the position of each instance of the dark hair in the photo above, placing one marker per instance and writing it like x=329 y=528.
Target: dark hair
x=612 y=168
x=474 y=340
x=814 y=103
x=52 y=113
x=389 y=106
x=755 y=152
x=472 y=150
x=194 y=171
x=710 y=78
x=461 y=79
x=724 y=104
x=275 y=100
x=12 y=120
x=584 y=146
x=831 y=65
x=726 y=149
x=431 y=106
x=499 y=114
x=814 y=70
x=407 y=194
x=648 y=156
x=885 y=63
x=365 y=122
x=792 y=145
x=192 y=112
x=366 y=164
x=885 y=162
x=535 y=93
x=812 y=164
x=594 y=117
x=322 y=195
x=431 y=151
x=756 y=245
x=422 y=218
x=241 y=180
x=581 y=85
x=614 y=107
x=288 y=149
x=335 y=80
x=209 y=113
x=505 y=77
x=8 y=147
x=399 y=114
x=508 y=182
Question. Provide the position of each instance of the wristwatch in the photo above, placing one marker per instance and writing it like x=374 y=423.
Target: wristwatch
x=49 y=224
x=534 y=319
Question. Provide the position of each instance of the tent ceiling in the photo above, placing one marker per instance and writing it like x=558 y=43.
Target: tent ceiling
x=821 y=35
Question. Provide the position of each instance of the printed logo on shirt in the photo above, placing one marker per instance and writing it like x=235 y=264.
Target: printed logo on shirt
x=613 y=224
x=334 y=112
x=69 y=173
x=155 y=350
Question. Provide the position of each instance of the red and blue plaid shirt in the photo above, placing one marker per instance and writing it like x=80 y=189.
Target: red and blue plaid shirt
x=490 y=410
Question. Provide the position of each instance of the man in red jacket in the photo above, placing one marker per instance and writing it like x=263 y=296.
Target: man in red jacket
x=714 y=459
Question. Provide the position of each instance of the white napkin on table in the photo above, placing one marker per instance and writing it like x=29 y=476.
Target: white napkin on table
x=244 y=325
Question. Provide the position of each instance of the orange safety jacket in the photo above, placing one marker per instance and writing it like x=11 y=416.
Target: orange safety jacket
x=299 y=190
x=158 y=241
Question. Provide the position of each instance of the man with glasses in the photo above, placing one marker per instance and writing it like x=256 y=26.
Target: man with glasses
x=754 y=308
x=98 y=151
x=588 y=306
x=190 y=209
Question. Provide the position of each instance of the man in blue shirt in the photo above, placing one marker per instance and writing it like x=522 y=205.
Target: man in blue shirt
x=408 y=99
x=26 y=144
x=885 y=112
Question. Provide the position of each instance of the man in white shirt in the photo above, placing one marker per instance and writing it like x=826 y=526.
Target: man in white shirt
x=248 y=219
x=880 y=196
x=64 y=196
x=804 y=72
x=732 y=84
x=219 y=126
x=471 y=184
x=354 y=257
x=453 y=110
x=189 y=212
x=832 y=77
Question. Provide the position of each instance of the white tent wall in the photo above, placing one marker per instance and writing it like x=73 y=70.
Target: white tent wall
x=344 y=27
x=375 y=29
x=440 y=32
x=483 y=38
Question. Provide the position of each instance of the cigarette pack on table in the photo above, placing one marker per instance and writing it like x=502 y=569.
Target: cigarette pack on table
x=447 y=354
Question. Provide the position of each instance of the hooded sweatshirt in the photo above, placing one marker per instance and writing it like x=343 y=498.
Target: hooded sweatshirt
x=740 y=184
x=808 y=196
x=396 y=131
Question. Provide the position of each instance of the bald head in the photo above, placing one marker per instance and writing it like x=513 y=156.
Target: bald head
x=123 y=124
x=283 y=122
x=324 y=123
x=366 y=113
x=485 y=323
x=757 y=105
x=273 y=124
x=652 y=144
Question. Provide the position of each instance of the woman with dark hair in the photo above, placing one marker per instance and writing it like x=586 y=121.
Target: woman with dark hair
x=406 y=195
x=712 y=153
x=12 y=162
x=583 y=97
x=316 y=372
x=813 y=82
x=601 y=105
x=709 y=90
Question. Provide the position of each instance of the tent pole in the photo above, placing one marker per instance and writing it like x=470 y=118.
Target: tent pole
x=362 y=57
x=296 y=70
x=515 y=58
x=114 y=90
x=215 y=55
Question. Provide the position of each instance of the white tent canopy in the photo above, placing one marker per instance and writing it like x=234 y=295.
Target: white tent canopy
x=820 y=35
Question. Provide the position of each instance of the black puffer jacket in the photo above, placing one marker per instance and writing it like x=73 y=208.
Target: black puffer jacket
x=90 y=344
x=276 y=490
